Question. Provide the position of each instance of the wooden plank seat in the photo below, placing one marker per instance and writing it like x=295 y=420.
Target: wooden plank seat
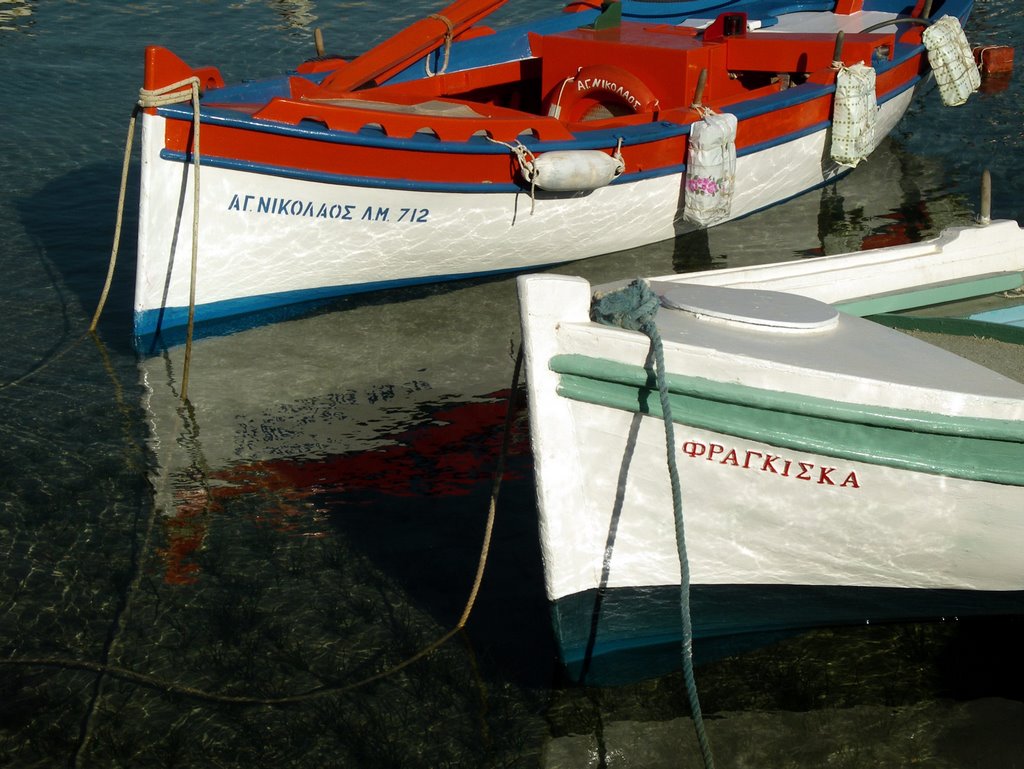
x=802 y=51
x=449 y=120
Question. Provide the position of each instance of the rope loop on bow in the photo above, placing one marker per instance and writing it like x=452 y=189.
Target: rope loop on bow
x=448 y=37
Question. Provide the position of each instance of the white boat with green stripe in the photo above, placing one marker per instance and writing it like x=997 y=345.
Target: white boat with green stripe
x=831 y=469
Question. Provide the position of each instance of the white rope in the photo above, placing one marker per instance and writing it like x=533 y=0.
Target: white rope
x=618 y=156
x=555 y=110
x=526 y=164
x=447 y=45
x=702 y=111
x=172 y=94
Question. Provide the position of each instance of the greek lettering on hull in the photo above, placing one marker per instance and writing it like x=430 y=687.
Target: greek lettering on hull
x=271 y=205
x=774 y=464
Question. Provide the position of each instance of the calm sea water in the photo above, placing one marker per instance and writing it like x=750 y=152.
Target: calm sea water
x=316 y=516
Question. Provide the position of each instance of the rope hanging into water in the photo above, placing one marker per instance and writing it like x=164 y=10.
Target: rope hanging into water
x=634 y=307
x=170 y=94
x=143 y=679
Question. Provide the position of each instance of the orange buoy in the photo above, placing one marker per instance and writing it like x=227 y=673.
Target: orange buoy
x=994 y=59
x=996 y=65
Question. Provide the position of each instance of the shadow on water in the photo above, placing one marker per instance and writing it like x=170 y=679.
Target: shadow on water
x=75 y=239
x=431 y=547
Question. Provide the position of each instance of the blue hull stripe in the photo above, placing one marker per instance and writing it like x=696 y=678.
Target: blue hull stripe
x=166 y=326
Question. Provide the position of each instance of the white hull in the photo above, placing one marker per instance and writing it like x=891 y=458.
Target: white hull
x=959 y=263
x=748 y=522
x=806 y=520
x=832 y=470
x=267 y=240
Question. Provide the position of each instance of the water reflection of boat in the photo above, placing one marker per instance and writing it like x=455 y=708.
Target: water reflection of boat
x=348 y=405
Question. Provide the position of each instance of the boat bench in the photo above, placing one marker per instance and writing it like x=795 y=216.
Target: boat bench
x=803 y=51
x=409 y=111
x=444 y=120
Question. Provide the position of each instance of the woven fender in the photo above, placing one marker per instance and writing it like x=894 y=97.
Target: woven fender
x=949 y=54
x=854 y=114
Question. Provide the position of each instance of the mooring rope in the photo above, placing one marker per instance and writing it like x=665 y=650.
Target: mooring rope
x=170 y=94
x=147 y=98
x=634 y=307
x=125 y=674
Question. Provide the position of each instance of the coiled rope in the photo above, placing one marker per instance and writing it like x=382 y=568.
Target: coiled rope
x=634 y=307
x=153 y=682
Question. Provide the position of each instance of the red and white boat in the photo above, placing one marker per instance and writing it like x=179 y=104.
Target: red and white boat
x=453 y=149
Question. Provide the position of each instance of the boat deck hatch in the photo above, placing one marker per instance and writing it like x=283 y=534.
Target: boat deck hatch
x=756 y=307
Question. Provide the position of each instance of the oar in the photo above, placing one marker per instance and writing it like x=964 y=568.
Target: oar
x=400 y=50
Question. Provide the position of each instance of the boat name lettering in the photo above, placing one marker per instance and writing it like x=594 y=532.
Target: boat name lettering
x=771 y=463
x=262 y=204
x=604 y=84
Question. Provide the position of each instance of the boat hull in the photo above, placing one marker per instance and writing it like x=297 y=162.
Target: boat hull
x=272 y=237
x=798 y=540
x=787 y=525
x=622 y=635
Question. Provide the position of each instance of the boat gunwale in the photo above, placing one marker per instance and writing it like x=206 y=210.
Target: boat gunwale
x=223 y=113
x=971 y=448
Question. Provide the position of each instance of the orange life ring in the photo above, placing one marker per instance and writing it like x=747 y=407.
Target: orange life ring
x=600 y=91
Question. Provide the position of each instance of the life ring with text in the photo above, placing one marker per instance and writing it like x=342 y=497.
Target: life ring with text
x=601 y=91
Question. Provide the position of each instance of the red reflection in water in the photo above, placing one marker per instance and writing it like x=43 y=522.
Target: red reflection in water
x=449 y=453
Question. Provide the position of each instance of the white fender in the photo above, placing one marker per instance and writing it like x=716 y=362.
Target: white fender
x=573 y=170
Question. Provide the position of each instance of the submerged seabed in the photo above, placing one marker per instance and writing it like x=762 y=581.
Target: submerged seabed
x=315 y=516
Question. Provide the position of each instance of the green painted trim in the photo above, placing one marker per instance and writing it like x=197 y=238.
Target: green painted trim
x=950 y=292
x=803 y=405
x=973 y=449
x=957 y=326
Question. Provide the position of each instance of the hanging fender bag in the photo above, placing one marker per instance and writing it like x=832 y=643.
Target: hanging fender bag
x=710 y=169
